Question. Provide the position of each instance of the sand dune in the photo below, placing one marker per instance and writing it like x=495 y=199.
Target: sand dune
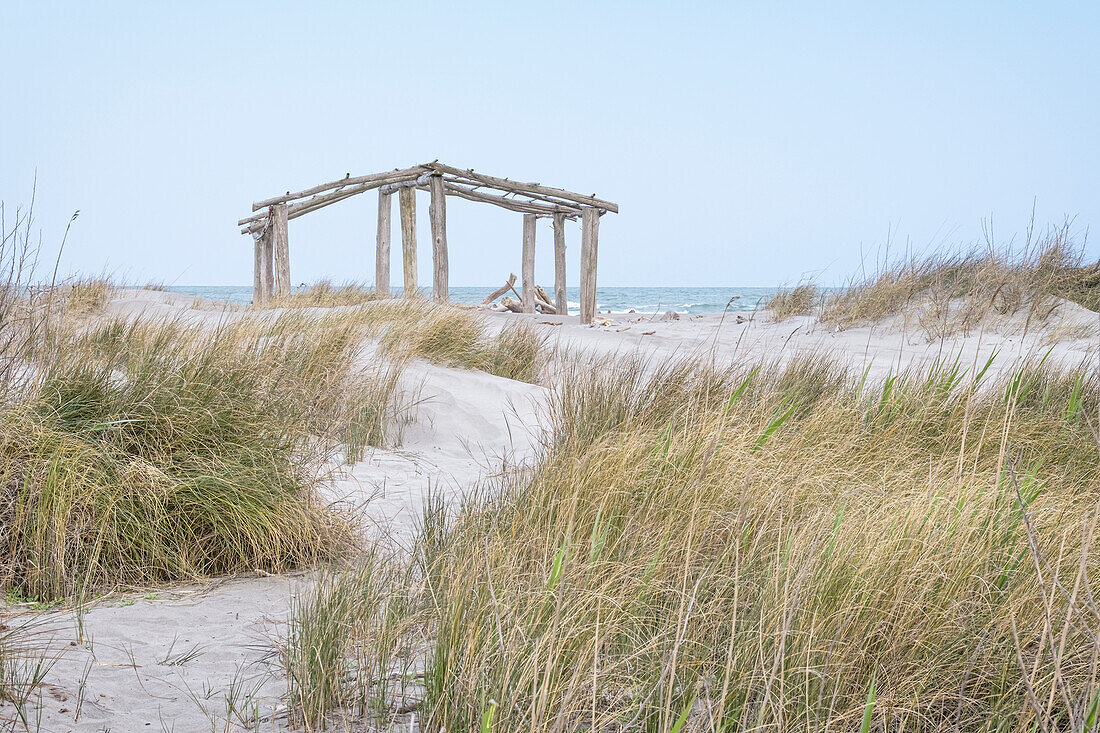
x=196 y=657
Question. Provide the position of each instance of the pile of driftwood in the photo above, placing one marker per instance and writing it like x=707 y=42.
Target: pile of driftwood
x=542 y=299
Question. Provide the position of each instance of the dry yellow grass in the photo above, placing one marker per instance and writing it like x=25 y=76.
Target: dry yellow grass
x=768 y=549
x=797 y=301
x=952 y=291
x=325 y=294
x=85 y=296
x=148 y=451
x=457 y=337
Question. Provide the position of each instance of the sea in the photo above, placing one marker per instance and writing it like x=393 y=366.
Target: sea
x=640 y=299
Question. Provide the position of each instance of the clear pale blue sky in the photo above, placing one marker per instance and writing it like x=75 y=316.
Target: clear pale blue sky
x=746 y=143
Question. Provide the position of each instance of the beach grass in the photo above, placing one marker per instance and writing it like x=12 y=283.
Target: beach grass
x=458 y=337
x=326 y=294
x=26 y=657
x=87 y=295
x=151 y=451
x=797 y=301
x=352 y=646
x=776 y=548
x=957 y=290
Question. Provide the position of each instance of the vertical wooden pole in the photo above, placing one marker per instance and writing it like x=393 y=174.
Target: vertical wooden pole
x=258 y=272
x=527 y=271
x=438 y=215
x=280 y=249
x=268 y=267
x=560 y=303
x=382 y=254
x=590 y=230
x=407 y=200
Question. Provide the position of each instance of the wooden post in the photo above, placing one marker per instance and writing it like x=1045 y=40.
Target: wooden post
x=590 y=230
x=258 y=272
x=438 y=214
x=280 y=250
x=527 y=273
x=560 y=302
x=268 y=267
x=382 y=253
x=407 y=200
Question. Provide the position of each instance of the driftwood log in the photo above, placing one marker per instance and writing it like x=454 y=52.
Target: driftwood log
x=280 y=251
x=560 y=303
x=534 y=190
x=508 y=285
x=542 y=300
x=407 y=203
x=512 y=305
x=527 y=269
x=382 y=246
x=590 y=227
x=346 y=181
x=440 y=259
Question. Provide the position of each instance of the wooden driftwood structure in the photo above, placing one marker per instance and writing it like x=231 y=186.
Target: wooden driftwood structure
x=268 y=227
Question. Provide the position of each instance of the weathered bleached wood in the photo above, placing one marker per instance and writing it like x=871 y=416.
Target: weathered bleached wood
x=437 y=211
x=530 y=189
x=258 y=272
x=419 y=181
x=545 y=204
x=280 y=250
x=542 y=300
x=560 y=302
x=382 y=246
x=527 y=271
x=553 y=195
x=407 y=201
x=268 y=267
x=531 y=199
x=301 y=208
x=345 y=181
x=501 y=290
x=512 y=305
x=525 y=207
x=590 y=229
x=298 y=208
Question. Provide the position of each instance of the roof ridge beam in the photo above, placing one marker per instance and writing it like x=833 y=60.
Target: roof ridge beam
x=505 y=184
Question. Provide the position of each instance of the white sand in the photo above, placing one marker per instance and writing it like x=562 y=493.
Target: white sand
x=467 y=424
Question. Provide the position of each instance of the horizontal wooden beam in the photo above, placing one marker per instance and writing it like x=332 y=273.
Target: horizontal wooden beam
x=505 y=184
x=472 y=184
x=420 y=181
x=317 y=202
x=346 y=181
x=544 y=200
x=299 y=208
x=526 y=207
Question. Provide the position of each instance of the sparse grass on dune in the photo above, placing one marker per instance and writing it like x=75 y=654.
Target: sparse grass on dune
x=953 y=290
x=517 y=352
x=25 y=660
x=448 y=336
x=797 y=301
x=364 y=612
x=156 y=451
x=86 y=295
x=777 y=549
x=457 y=337
x=325 y=294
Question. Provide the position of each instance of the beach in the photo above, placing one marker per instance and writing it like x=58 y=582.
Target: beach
x=195 y=656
